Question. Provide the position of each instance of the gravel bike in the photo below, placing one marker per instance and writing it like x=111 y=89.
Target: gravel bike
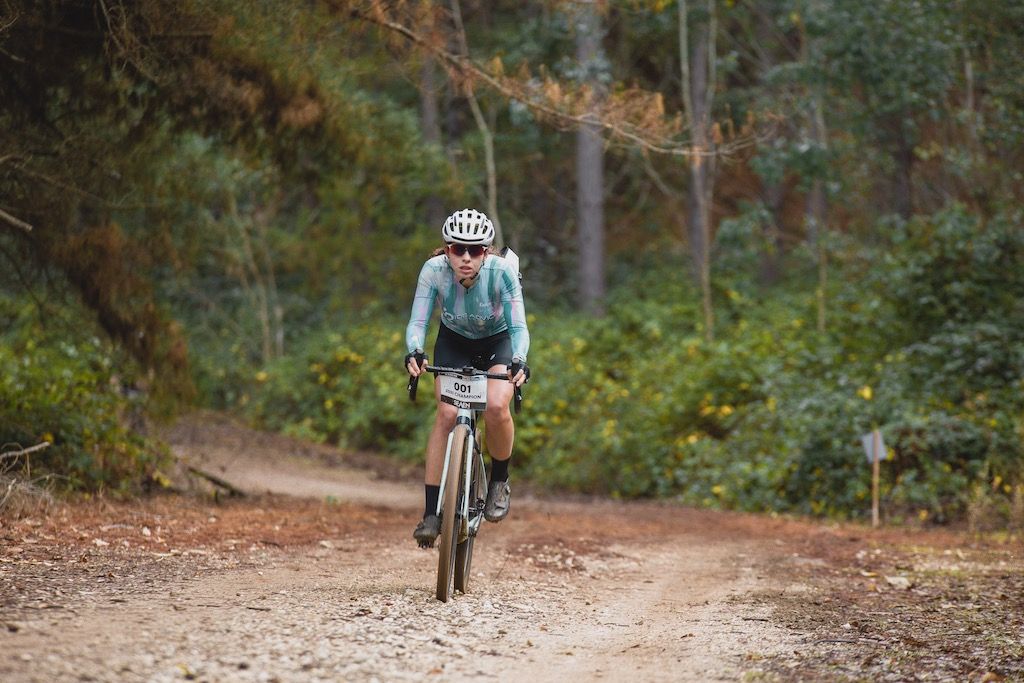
x=460 y=504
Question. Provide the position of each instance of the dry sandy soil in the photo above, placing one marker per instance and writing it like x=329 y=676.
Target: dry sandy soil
x=313 y=576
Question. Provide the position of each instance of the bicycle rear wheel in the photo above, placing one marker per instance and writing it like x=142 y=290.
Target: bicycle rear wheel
x=450 y=514
x=463 y=564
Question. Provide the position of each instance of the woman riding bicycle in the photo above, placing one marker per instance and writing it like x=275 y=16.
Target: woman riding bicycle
x=483 y=324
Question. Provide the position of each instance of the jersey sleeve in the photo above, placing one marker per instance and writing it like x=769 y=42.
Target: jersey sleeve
x=515 y=313
x=422 y=307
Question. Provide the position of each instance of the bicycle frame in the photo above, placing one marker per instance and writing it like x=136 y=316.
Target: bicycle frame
x=463 y=417
x=474 y=471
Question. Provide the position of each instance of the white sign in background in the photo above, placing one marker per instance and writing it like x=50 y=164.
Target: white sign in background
x=871 y=441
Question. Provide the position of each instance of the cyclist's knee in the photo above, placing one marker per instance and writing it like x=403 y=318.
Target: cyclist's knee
x=446 y=414
x=496 y=414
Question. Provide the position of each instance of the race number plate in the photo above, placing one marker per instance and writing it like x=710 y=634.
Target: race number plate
x=464 y=392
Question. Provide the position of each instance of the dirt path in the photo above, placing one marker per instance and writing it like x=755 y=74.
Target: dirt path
x=326 y=585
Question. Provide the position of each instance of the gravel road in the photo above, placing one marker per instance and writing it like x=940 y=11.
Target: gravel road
x=298 y=589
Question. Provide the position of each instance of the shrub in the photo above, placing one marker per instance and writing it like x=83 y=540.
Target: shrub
x=72 y=395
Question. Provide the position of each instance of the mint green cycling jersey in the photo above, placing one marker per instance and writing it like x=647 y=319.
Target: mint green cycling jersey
x=492 y=305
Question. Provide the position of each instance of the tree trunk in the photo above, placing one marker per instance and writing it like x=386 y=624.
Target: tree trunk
x=815 y=215
x=274 y=306
x=490 y=167
x=485 y=134
x=430 y=126
x=773 y=191
x=771 y=256
x=590 y=168
x=697 y=58
x=256 y=289
x=903 y=156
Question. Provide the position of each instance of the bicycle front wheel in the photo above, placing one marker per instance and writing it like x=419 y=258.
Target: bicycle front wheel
x=450 y=516
x=477 y=493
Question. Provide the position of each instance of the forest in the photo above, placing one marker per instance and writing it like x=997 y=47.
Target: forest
x=751 y=231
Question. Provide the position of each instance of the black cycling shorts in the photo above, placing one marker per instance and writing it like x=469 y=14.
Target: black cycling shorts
x=452 y=350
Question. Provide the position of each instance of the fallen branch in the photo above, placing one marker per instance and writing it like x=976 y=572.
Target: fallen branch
x=217 y=481
x=25 y=451
x=16 y=222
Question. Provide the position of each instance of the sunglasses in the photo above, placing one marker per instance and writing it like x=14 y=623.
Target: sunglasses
x=475 y=250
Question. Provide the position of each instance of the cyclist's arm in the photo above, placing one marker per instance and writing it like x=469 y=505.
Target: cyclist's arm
x=515 y=313
x=422 y=308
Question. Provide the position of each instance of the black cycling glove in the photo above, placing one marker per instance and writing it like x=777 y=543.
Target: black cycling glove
x=518 y=365
x=418 y=355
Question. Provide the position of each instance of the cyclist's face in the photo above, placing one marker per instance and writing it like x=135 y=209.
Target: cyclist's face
x=467 y=264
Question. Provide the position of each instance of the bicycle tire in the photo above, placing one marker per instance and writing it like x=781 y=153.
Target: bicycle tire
x=464 y=552
x=449 y=515
x=463 y=564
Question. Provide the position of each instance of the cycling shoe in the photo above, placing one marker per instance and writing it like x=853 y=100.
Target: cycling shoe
x=427 y=530
x=499 y=494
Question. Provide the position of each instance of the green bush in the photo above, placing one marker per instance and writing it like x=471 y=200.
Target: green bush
x=73 y=395
x=343 y=388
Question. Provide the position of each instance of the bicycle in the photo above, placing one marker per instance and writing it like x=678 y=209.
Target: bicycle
x=460 y=504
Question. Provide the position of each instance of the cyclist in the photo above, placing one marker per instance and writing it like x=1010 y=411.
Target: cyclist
x=483 y=324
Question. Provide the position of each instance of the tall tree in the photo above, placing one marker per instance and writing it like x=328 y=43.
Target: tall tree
x=485 y=132
x=697 y=58
x=430 y=127
x=590 y=161
x=815 y=213
x=769 y=44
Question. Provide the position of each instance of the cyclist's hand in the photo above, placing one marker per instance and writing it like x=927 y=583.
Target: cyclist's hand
x=415 y=362
x=519 y=372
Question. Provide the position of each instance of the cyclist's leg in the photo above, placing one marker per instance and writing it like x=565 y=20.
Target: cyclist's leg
x=443 y=423
x=450 y=351
x=430 y=526
x=500 y=432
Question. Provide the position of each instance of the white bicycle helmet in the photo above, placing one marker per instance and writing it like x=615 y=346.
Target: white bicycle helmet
x=468 y=226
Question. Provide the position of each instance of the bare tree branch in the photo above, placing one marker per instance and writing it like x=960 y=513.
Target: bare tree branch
x=659 y=182
x=127 y=44
x=16 y=222
x=65 y=186
x=14 y=58
x=14 y=20
x=534 y=96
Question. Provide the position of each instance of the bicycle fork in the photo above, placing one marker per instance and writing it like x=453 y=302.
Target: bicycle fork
x=463 y=417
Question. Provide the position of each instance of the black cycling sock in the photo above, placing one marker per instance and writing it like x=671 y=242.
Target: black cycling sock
x=432 y=493
x=499 y=469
